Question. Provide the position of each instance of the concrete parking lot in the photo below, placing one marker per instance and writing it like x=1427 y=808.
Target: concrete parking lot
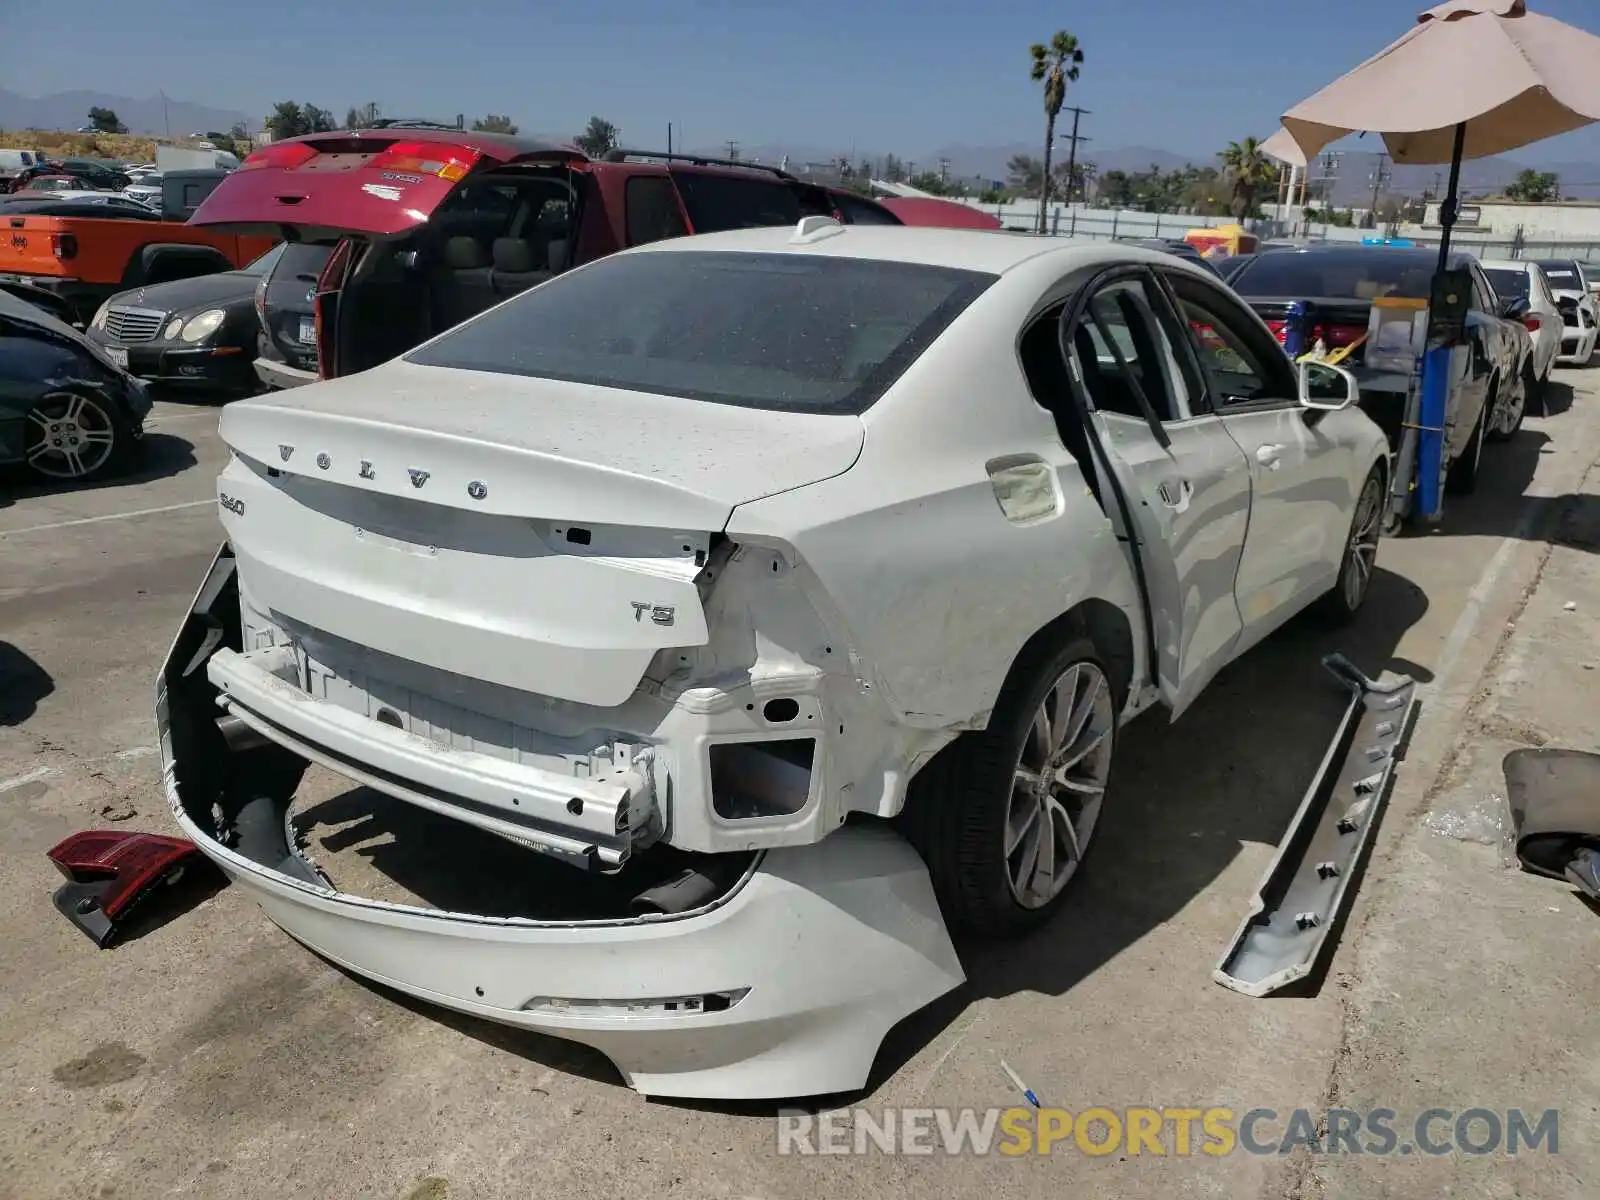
x=214 y=1057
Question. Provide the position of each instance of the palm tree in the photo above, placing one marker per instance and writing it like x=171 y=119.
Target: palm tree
x=1248 y=170
x=1057 y=65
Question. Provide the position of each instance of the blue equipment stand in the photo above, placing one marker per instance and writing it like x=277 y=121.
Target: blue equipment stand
x=1430 y=441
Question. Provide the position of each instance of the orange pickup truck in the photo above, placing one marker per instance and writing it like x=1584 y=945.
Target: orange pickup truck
x=85 y=259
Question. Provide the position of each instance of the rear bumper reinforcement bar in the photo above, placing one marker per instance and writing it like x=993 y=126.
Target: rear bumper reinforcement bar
x=1307 y=888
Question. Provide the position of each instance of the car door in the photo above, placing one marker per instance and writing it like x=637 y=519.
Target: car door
x=1304 y=464
x=1184 y=481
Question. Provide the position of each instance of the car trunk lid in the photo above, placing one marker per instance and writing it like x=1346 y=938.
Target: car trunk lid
x=541 y=535
x=376 y=183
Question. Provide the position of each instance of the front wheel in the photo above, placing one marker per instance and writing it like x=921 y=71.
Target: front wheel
x=1003 y=817
x=72 y=436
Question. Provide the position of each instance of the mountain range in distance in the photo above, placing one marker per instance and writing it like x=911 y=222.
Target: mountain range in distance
x=1352 y=184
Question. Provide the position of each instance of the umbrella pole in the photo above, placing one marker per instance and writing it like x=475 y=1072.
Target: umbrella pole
x=1435 y=406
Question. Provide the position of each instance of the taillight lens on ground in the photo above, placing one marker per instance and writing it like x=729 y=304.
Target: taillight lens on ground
x=427 y=158
x=279 y=154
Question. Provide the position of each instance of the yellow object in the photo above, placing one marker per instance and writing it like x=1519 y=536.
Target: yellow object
x=1222 y=239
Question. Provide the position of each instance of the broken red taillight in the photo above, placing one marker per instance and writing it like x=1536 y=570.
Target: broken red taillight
x=280 y=154
x=441 y=159
x=64 y=246
x=109 y=870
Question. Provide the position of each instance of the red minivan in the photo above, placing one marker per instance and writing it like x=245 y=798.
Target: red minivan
x=431 y=225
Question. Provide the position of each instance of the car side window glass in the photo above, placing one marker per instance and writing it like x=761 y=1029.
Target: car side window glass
x=1117 y=346
x=1240 y=358
x=652 y=210
x=1483 y=295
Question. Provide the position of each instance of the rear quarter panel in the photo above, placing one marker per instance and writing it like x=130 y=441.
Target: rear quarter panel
x=938 y=590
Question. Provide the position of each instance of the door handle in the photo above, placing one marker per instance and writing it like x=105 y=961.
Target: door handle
x=1176 y=496
x=1268 y=456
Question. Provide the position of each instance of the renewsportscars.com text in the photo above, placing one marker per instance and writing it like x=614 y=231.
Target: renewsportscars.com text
x=1168 y=1131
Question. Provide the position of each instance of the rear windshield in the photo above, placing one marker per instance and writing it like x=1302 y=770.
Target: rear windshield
x=773 y=331
x=1508 y=284
x=1356 y=275
x=1563 y=274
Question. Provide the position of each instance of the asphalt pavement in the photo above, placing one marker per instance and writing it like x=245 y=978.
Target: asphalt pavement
x=214 y=1057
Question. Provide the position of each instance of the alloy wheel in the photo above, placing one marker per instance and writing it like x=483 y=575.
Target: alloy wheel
x=68 y=436
x=1361 y=556
x=1059 y=784
x=1509 y=416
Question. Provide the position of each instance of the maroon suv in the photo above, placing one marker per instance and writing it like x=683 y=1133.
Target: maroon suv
x=428 y=226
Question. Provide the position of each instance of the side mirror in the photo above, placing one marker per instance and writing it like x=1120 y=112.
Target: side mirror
x=1326 y=388
x=1515 y=309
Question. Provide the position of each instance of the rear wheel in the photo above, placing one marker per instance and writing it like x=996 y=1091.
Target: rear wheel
x=1508 y=416
x=1462 y=478
x=75 y=436
x=1340 y=605
x=1004 y=816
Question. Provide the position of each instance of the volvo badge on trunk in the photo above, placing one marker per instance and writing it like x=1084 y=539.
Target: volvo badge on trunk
x=284 y=452
x=477 y=490
x=366 y=469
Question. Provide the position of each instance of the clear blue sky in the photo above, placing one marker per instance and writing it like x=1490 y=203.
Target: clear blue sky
x=907 y=77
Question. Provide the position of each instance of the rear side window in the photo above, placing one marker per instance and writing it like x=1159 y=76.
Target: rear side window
x=775 y=331
x=1563 y=274
x=1507 y=283
x=1356 y=274
x=863 y=212
x=717 y=202
x=652 y=210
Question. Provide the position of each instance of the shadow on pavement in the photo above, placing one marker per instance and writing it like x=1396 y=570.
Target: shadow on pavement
x=1502 y=508
x=23 y=683
x=161 y=456
x=1186 y=796
x=1557 y=399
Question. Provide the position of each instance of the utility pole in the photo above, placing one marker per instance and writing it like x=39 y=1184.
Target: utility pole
x=944 y=170
x=1072 y=150
x=166 y=118
x=1380 y=177
x=669 y=137
x=733 y=149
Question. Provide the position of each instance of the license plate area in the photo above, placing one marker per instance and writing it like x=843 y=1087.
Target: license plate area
x=308 y=331
x=118 y=355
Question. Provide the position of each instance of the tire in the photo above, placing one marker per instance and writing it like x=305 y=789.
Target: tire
x=76 y=436
x=969 y=815
x=1505 y=430
x=1341 y=604
x=1462 y=477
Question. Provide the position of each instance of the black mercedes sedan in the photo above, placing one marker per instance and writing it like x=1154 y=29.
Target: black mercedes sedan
x=197 y=334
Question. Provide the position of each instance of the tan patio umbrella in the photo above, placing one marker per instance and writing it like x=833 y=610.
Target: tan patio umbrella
x=1472 y=78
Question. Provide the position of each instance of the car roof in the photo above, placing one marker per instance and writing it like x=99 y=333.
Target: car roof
x=994 y=252
x=1508 y=264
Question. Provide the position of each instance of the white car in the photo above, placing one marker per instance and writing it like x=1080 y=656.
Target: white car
x=797 y=579
x=1575 y=284
x=1524 y=280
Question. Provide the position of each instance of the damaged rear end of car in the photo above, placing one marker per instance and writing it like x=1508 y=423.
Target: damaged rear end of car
x=506 y=581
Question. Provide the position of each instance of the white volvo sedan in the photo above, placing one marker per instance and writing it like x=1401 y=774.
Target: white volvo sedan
x=794 y=581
